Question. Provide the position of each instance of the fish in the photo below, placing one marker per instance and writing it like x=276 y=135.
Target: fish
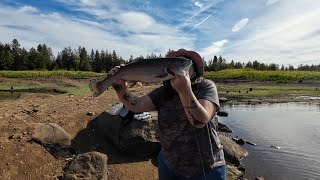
x=144 y=70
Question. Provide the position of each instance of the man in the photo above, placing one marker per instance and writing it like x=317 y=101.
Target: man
x=186 y=106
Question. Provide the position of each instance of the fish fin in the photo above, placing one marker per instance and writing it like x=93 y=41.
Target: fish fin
x=140 y=84
x=135 y=83
x=136 y=60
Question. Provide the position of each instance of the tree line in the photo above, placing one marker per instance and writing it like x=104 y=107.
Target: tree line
x=219 y=63
x=14 y=57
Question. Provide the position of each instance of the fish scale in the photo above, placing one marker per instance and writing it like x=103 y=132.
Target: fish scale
x=144 y=70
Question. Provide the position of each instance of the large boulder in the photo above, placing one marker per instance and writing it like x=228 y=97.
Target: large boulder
x=90 y=165
x=50 y=133
x=129 y=136
x=140 y=137
x=53 y=138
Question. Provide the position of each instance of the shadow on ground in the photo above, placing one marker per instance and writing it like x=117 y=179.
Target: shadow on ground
x=105 y=134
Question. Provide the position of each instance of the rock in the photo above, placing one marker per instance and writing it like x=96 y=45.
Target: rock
x=50 y=133
x=239 y=141
x=233 y=172
x=16 y=136
x=241 y=168
x=222 y=113
x=275 y=147
x=220 y=126
x=108 y=127
x=90 y=114
x=259 y=178
x=90 y=165
x=223 y=99
x=140 y=138
x=232 y=151
x=224 y=128
x=251 y=143
x=129 y=136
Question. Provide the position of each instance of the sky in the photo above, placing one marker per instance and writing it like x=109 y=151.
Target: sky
x=271 y=31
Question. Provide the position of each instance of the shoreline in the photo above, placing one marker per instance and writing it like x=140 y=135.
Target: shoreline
x=70 y=111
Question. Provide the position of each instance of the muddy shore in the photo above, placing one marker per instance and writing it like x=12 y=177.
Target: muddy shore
x=21 y=159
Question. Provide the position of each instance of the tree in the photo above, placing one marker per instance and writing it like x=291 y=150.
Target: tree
x=97 y=62
x=84 y=61
x=6 y=58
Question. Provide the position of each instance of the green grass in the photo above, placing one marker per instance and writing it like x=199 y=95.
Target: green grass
x=33 y=74
x=17 y=85
x=254 y=75
x=266 y=90
x=77 y=90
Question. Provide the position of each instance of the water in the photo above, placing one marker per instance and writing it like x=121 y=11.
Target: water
x=294 y=127
x=9 y=95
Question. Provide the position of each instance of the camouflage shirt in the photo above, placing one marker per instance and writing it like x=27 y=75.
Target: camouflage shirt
x=183 y=145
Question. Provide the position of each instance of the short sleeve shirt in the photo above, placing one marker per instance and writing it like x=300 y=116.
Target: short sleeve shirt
x=187 y=149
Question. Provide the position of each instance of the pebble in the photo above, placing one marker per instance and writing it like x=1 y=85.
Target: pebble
x=90 y=114
x=24 y=133
x=16 y=136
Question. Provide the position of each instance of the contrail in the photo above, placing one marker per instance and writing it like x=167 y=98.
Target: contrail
x=203 y=9
x=201 y=22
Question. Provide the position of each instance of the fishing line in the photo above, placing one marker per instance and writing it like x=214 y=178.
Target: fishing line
x=210 y=143
x=204 y=174
x=194 y=132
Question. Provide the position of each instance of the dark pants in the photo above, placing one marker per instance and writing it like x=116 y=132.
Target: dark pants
x=218 y=173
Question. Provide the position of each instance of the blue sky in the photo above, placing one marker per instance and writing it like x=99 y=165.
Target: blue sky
x=279 y=31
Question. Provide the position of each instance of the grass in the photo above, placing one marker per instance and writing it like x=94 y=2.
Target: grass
x=254 y=75
x=33 y=74
x=17 y=85
x=259 y=90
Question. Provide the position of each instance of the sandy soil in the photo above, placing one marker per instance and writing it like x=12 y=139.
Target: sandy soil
x=22 y=159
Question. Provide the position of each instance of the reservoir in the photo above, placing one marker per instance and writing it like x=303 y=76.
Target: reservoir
x=293 y=127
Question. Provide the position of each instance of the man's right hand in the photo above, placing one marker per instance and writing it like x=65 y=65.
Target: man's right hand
x=120 y=85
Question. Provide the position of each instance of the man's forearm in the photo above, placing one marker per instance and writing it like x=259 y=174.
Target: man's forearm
x=128 y=99
x=196 y=113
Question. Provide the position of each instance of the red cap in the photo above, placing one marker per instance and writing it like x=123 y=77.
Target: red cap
x=195 y=57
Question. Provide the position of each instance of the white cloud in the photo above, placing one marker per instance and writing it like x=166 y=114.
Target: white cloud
x=59 y=31
x=270 y=2
x=213 y=49
x=28 y=9
x=136 y=21
x=288 y=34
x=240 y=24
x=198 y=4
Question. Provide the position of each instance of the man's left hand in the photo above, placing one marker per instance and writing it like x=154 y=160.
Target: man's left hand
x=181 y=83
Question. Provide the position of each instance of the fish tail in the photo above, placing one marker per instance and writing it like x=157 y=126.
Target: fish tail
x=94 y=88
x=98 y=87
